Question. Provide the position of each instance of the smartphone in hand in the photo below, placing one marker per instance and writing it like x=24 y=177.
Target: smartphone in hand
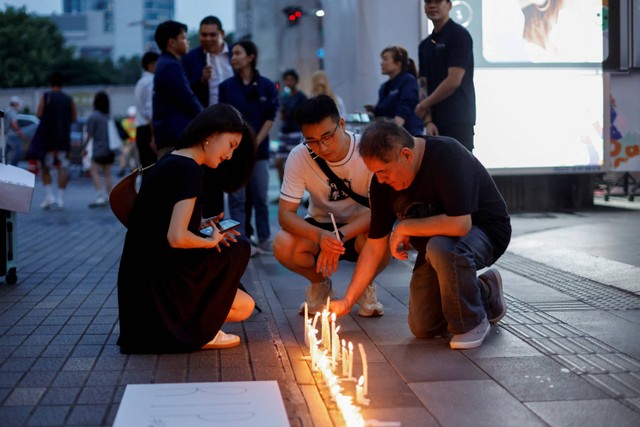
x=227 y=224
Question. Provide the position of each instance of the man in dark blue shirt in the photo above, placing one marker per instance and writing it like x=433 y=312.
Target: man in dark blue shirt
x=174 y=103
x=446 y=71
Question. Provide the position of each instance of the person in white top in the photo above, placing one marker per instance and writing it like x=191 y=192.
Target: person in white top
x=313 y=245
x=143 y=95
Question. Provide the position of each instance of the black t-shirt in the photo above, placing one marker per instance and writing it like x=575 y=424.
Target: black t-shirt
x=451 y=47
x=450 y=181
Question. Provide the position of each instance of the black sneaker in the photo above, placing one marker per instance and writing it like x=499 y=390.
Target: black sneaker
x=493 y=284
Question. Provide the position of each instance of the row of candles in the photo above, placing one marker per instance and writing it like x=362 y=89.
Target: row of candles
x=325 y=355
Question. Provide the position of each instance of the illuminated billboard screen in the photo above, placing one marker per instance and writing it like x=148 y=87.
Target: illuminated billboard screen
x=539 y=83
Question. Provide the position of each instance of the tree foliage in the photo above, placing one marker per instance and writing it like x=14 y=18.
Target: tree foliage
x=32 y=47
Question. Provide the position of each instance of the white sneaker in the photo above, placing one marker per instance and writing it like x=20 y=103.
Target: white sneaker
x=254 y=251
x=471 y=339
x=98 y=203
x=60 y=203
x=266 y=246
x=222 y=340
x=317 y=294
x=369 y=304
x=48 y=202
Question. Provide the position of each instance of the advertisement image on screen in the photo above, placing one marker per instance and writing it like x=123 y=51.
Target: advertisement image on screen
x=539 y=83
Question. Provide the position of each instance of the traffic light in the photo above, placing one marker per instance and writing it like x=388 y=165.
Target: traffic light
x=293 y=13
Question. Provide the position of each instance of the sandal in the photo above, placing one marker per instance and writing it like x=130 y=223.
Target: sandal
x=222 y=340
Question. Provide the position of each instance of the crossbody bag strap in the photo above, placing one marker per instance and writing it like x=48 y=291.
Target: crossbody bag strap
x=364 y=201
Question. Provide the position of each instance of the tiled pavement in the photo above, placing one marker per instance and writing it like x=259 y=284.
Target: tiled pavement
x=567 y=353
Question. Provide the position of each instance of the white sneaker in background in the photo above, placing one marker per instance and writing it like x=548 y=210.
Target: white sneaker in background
x=369 y=304
x=99 y=202
x=48 y=202
x=317 y=294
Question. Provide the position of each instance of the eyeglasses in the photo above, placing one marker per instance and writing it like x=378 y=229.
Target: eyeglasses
x=324 y=140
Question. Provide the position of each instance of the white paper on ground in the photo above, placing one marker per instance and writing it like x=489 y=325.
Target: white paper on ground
x=242 y=403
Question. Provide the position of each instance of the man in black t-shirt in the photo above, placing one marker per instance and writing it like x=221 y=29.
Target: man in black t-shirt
x=433 y=194
x=448 y=99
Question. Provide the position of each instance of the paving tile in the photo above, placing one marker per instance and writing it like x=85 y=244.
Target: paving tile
x=28 y=351
x=14 y=416
x=142 y=362
x=37 y=379
x=17 y=364
x=94 y=339
x=234 y=373
x=79 y=363
x=387 y=388
x=104 y=378
x=66 y=339
x=90 y=395
x=538 y=378
x=25 y=396
x=204 y=359
x=269 y=373
x=87 y=415
x=473 y=403
x=586 y=413
x=109 y=363
x=607 y=327
x=431 y=361
x=171 y=376
x=61 y=395
x=70 y=378
x=265 y=354
x=4 y=392
x=407 y=417
x=173 y=361
x=142 y=376
x=49 y=416
x=501 y=343
x=58 y=350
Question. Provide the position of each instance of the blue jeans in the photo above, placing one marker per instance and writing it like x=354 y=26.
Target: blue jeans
x=258 y=186
x=445 y=293
x=14 y=149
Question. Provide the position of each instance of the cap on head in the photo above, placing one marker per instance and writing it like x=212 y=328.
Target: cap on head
x=131 y=111
x=15 y=100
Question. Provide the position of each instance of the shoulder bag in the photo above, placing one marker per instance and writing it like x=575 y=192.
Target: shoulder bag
x=364 y=201
x=123 y=195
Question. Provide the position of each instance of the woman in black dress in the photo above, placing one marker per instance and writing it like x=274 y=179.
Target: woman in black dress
x=177 y=286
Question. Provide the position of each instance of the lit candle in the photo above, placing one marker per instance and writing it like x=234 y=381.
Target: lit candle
x=312 y=348
x=345 y=358
x=365 y=369
x=306 y=324
x=360 y=392
x=208 y=55
x=326 y=338
x=315 y=320
x=335 y=342
x=350 y=371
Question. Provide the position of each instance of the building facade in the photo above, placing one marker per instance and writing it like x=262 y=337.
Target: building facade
x=101 y=29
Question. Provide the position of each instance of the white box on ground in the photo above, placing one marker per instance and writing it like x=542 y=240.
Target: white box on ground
x=16 y=188
x=242 y=403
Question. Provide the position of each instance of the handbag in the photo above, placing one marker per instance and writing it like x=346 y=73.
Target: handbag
x=123 y=195
x=115 y=143
x=364 y=201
